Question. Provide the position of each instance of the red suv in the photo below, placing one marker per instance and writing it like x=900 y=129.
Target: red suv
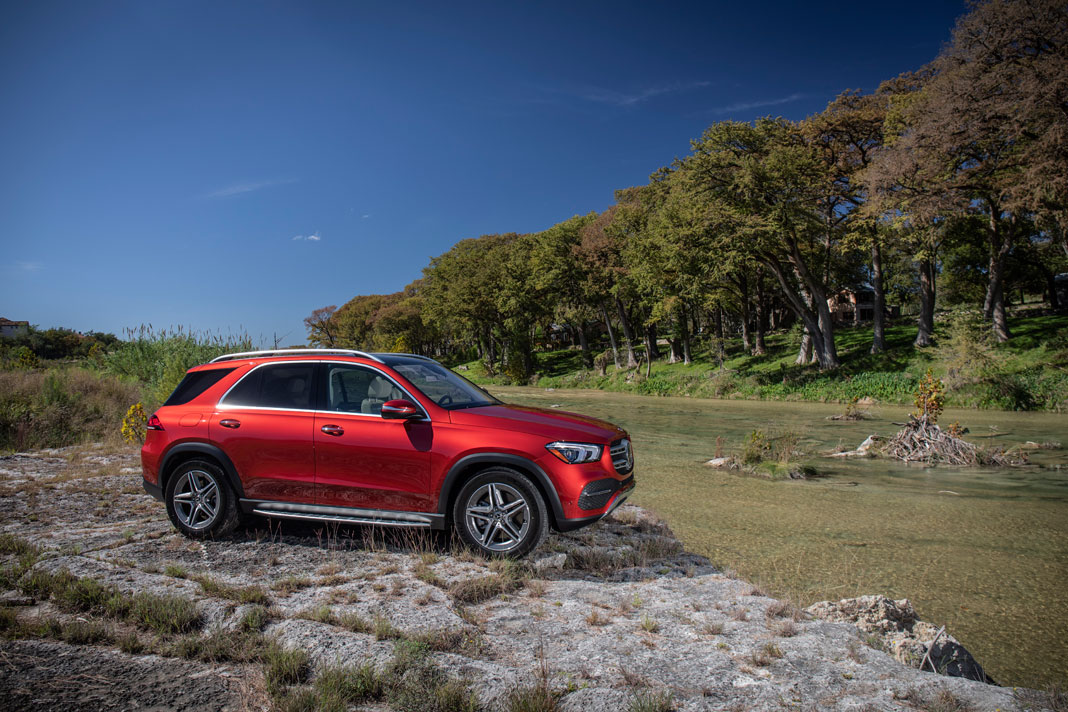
x=376 y=438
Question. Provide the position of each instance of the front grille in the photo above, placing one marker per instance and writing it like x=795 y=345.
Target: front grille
x=622 y=457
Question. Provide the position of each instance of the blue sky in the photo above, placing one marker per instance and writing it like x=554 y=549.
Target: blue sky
x=232 y=166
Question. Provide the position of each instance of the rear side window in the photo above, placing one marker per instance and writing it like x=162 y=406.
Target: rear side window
x=283 y=385
x=196 y=383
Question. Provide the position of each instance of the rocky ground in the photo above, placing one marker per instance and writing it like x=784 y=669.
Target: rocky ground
x=613 y=617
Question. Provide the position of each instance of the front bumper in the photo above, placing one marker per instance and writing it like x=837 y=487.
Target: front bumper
x=567 y=525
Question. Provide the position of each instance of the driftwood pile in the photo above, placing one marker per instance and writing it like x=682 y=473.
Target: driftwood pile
x=923 y=441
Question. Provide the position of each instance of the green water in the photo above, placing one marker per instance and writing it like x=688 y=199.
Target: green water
x=984 y=551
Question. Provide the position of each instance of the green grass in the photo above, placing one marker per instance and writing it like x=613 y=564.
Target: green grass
x=163 y=614
x=240 y=594
x=1030 y=372
x=650 y=701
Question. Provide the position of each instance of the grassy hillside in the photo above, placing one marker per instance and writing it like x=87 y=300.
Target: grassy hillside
x=1030 y=372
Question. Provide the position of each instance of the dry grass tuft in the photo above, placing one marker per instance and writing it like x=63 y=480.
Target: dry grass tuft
x=765 y=655
x=596 y=618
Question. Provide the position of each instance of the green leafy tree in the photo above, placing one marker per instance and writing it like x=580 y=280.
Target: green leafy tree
x=762 y=183
x=986 y=132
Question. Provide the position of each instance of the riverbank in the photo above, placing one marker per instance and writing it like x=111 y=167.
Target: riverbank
x=984 y=551
x=1030 y=372
x=613 y=617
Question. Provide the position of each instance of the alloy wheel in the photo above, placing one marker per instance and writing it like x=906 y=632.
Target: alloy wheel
x=498 y=516
x=196 y=499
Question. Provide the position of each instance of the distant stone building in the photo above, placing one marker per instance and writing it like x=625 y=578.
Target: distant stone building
x=852 y=305
x=11 y=329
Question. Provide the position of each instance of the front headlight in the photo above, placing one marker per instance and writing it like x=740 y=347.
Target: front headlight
x=574 y=453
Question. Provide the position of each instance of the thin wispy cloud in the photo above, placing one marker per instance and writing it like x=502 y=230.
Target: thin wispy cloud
x=601 y=95
x=247 y=187
x=760 y=103
x=364 y=217
x=314 y=237
x=29 y=266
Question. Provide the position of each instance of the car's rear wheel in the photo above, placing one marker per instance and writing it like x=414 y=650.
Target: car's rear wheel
x=199 y=500
x=499 y=512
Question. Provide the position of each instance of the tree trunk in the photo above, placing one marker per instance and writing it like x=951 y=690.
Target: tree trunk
x=829 y=357
x=525 y=346
x=1000 y=237
x=925 y=321
x=801 y=305
x=611 y=335
x=584 y=344
x=760 y=349
x=491 y=351
x=1000 y=322
x=878 y=328
x=804 y=354
x=823 y=329
x=676 y=351
x=684 y=336
x=743 y=285
x=1051 y=287
x=628 y=333
x=652 y=353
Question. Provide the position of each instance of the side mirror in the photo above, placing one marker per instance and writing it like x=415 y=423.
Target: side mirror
x=399 y=409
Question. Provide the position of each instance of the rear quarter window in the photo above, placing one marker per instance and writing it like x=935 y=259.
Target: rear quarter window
x=280 y=385
x=196 y=383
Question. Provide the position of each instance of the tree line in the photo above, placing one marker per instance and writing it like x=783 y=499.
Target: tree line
x=948 y=182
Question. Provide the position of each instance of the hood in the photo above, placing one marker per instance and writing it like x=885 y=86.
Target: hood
x=551 y=423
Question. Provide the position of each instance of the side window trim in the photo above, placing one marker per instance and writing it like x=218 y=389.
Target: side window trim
x=319 y=392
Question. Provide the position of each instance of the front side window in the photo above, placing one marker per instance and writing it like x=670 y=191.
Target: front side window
x=442 y=386
x=355 y=389
x=282 y=385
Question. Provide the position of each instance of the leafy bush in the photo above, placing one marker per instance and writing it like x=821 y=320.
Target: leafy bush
x=159 y=359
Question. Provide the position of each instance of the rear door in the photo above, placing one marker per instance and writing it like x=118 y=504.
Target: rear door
x=264 y=424
x=361 y=459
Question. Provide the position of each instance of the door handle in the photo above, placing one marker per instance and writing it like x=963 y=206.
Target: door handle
x=230 y=423
x=333 y=430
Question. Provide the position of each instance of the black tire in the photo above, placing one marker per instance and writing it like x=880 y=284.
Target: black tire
x=207 y=513
x=505 y=527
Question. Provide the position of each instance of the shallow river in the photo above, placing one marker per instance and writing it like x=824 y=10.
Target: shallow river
x=984 y=551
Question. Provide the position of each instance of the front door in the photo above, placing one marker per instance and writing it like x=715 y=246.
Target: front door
x=265 y=424
x=361 y=459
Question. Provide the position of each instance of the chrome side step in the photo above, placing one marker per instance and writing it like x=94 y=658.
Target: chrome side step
x=343 y=515
x=340 y=519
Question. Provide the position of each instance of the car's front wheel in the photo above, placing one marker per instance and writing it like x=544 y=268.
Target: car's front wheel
x=499 y=512
x=199 y=500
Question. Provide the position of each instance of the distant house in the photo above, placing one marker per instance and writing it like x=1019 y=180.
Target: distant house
x=10 y=329
x=856 y=304
x=1060 y=283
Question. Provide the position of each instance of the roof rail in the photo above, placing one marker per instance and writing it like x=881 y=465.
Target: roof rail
x=397 y=353
x=295 y=352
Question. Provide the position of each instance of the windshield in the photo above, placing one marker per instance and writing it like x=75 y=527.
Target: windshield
x=444 y=387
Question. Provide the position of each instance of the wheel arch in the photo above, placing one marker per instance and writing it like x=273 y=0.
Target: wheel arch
x=467 y=467
x=183 y=452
